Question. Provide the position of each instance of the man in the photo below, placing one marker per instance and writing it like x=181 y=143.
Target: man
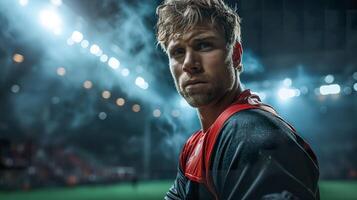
x=244 y=149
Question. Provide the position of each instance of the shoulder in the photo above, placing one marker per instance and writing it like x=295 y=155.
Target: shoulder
x=256 y=126
x=251 y=132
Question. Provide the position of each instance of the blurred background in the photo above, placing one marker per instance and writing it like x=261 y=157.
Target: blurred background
x=88 y=108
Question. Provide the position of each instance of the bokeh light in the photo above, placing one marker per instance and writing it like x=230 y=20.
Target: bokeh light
x=18 y=58
x=104 y=58
x=106 y=94
x=94 y=49
x=329 y=78
x=84 y=43
x=287 y=82
x=330 y=89
x=87 y=84
x=141 y=83
x=125 y=72
x=120 y=102
x=156 y=113
x=136 y=108
x=113 y=63
x=77 y=36
x=15 y=88
x=102 y=115
x=61 y=71
x=287 y=93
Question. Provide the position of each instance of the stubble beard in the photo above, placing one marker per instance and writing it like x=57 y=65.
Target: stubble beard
x=196 y=99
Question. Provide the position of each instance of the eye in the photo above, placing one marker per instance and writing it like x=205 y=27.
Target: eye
x=177 y=52
x=204 y=46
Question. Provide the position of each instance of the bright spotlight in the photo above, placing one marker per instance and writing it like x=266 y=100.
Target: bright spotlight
x=330 y=89
x=77 y=36
x=140 y=82
x=94 y=49
x=113 y=63
x=287 y=93
x=50 y=20
x=23 y=2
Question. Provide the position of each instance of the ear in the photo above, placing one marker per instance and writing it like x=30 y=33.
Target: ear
x=237 y=56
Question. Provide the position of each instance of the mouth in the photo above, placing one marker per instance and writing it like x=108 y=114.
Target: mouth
x=193 y=82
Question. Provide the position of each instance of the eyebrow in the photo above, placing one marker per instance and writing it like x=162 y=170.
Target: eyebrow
x=196 y=38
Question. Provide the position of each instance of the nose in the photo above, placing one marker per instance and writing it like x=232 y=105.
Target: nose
x=191 y=63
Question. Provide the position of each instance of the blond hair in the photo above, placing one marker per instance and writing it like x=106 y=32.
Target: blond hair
x=179 y=16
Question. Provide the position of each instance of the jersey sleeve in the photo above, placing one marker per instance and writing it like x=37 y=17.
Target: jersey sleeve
x=257 y=157
x=177 y=190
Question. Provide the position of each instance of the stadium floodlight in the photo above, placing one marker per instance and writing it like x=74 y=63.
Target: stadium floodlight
x=23 y=2
x=141 y=83
x=329 y=78
x=51 y=20
x=330 y=89
x=287 y=93
x=113 y=63
x=77 y=36
x=94 y=49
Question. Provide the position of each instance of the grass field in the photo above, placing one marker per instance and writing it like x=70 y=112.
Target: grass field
x=331 y=190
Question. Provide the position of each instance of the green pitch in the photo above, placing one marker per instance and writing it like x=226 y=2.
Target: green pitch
x=330 y=190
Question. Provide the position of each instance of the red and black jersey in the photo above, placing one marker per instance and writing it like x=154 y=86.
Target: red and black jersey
x=249 y=152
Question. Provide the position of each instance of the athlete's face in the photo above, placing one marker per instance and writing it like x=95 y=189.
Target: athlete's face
x=201 y=66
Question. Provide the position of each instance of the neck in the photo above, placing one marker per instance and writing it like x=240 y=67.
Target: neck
x=208 y=114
